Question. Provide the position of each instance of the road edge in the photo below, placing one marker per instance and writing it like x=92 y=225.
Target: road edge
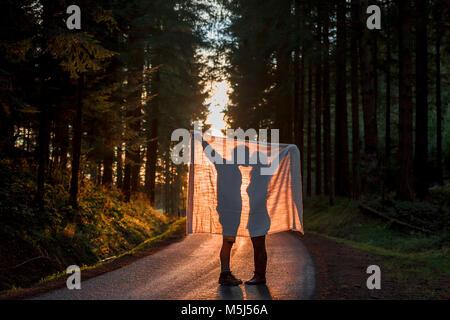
x=175 y=233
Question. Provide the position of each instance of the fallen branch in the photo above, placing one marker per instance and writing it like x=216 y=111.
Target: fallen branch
x=364 y=208
x=25 y=262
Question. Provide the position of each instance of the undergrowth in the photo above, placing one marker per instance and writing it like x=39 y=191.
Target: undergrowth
x=37 y=243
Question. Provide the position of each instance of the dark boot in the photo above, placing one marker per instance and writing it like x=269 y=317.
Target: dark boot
x=227 y=279
x=257 y=279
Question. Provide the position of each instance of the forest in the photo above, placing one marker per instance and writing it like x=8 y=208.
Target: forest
x=97 y=103
x=86 y=115
x=365 y=107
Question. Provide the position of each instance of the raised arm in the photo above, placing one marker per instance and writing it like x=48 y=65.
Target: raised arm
x=212 y=155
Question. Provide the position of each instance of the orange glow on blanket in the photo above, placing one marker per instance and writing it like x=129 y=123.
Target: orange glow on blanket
x=236 y=199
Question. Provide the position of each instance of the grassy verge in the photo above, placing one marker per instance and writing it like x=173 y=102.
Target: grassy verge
x=174 y=232
x=409 y=255
x=37 y=244
x=149 y=243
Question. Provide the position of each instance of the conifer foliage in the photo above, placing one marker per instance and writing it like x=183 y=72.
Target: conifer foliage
x=99 y=103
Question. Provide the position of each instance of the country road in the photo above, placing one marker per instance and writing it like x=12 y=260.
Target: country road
x=189 y=269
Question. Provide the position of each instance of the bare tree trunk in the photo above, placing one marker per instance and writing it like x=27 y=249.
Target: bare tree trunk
x=318 y=101
x=299 y=88
x=108 y=159
x=356 y=156
x=405 y=153
x=438 y=99
x=327 y=152
x=387 y=143
x=134 y=105
x=152 y=152
x=43 y=149
x=301 y=114
x=283 y=120
x=76 y=145
x=342 y=174
x=368 y=68
x=309 y=133
x=421 y=141
x=152 y=144
x=63 y=150
x=136 y=170
x=296 y=66
x=126 y=185
x=119 y=166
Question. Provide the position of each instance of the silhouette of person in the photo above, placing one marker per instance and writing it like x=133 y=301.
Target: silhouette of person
x=229 y=207
x=229 y=201
x=258 y=220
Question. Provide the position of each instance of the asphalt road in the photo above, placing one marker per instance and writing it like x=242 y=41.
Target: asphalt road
x=189 y=269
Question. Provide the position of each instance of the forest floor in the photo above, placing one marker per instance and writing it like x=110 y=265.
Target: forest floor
x=341 y=274
x=174 y=233
x=38 y=245
x=344 y=242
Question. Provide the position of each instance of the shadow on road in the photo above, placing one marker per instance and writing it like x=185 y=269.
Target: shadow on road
x=260 y=292
x=230 y=293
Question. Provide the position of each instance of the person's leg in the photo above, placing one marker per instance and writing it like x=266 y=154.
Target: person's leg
x=226 y=277
x=260 y=260
x=260 y=255
x=225 y=253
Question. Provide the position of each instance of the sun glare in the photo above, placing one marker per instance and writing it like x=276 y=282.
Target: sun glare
x=217 y=101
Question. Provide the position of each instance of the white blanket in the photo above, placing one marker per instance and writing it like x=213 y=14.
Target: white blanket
x=239 y=198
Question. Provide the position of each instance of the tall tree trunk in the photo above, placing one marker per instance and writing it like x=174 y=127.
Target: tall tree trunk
x=126 y=184
x=296 y=66
x=43 y=148
x=59 y=138
x=76 y=145
x=63 y=151
x=136 y=66
x=342 y=181
x=301 y=137
x=99 y=173
x=283 y=117
x=119 y=166
x=299 y=89
x=318 y=118
x=6 y=132
x=387 y=143
x=152 y=152
x=296 y=95
x=309 y=133
x=421 y=141
x=152 y=138
x=356 y=156
x=108 y=159
x=136 y=170
x=327 y=152
x=438 y=98
x=133 y=115
x=43 y=151
x=405 y=154
x=368 y=51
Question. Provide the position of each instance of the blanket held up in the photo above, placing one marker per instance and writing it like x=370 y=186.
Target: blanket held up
x=243 y=188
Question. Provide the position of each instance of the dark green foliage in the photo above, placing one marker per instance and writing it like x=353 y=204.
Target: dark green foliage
x=265 y=45
x=81 y=113
x=433 y=215
x=36 y=243
x=92 y=91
